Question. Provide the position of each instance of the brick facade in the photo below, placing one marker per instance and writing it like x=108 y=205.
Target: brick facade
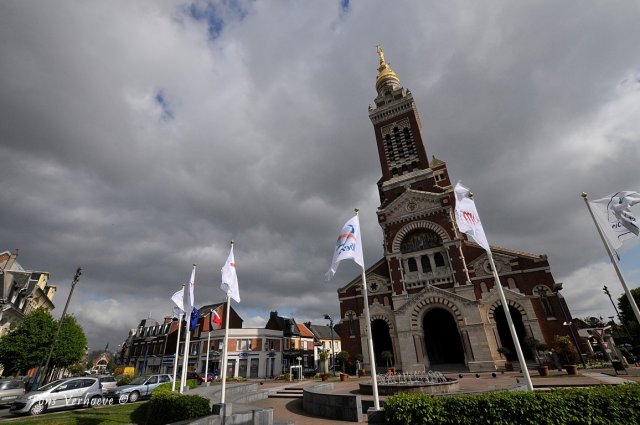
x=432 y=297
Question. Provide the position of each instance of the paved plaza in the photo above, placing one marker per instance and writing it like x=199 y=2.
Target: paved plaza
x=289 y=410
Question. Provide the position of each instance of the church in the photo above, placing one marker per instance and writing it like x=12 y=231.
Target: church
x=431 y=297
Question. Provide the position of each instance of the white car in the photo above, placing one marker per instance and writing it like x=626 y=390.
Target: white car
x=108 y=383
x=71 y=392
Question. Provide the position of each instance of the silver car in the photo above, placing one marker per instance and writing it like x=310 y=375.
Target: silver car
x=10 y=390
x=107 y=382
x=71 y=392
x=139 y=387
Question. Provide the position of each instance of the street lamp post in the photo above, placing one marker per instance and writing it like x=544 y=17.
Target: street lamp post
x=43 y=376
x=606 y=291
x=333 y=351
x=558 y=288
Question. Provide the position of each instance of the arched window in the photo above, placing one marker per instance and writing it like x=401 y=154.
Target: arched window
x=419 y=240
x=439 y=259
x=426 y=264
x=413 y=265
x=543 y=293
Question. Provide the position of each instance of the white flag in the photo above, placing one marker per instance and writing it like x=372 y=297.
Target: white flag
x=189 y=301
x=230 y=278
x=178 y=300
x=176 y=312
x=467 y=217
x=348 y=245
x=615 y=218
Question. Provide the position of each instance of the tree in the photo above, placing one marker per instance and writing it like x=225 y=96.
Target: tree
x=593 y=322
x=70 y=345
x=28 y=344
x=565 y=349
x=626 y=312
x=343 y=356
x=388 y=357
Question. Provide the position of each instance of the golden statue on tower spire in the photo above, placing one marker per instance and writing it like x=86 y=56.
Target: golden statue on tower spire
x=380 y=53
x=385 y=73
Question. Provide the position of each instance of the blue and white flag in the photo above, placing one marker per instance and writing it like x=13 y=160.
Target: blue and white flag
x=615 y=218
x=195 y=315
x=348 y=246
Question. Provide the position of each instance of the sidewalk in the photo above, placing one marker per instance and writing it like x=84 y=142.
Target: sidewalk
x=290 y=410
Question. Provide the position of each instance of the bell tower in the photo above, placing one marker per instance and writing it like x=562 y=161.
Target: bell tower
x=398 y=131
x=432 y=297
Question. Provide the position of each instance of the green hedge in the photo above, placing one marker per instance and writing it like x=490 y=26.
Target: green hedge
x=166 y=407
x=596 y=405
x=166 y=388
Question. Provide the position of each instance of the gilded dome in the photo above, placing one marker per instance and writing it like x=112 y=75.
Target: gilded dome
x=385 y=73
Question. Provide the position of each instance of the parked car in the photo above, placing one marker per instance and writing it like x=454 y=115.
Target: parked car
x=70 y=392
x=631 y=358
x=10 y=389
x=108 y=382
x=201 y=378
x=139 y=387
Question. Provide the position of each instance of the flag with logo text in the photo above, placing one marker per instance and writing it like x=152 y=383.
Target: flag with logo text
x=230 y=278
x=615 y=218
x=467 y=217
x=348 y=246
x=216 y=318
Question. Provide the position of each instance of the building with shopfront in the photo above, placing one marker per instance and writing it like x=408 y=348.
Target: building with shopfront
x=252 y=352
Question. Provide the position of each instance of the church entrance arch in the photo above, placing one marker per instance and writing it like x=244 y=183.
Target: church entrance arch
x=381 y=341
x=442 y=337
x=505 y=335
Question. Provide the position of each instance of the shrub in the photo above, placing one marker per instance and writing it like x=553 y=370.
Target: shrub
x=565 y=349
x=595 y=405
x=124 y=380
x=166 y=407
x=166 y=388
x=163 y=388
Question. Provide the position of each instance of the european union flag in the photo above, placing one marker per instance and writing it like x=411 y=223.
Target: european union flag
x=194 y=317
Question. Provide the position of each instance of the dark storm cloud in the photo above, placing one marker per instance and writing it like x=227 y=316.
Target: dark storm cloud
x=138 y=138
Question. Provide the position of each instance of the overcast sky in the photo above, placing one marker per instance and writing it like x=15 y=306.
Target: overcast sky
x=140 y=137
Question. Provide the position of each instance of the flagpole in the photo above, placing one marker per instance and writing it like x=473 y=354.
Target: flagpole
x=634 y=306
x=223 y=366
x=512 y=328
x=187 y=341
x=175 y=360
x=206 y=364
x=185 y=359
x=374 y=380
x=481 y=239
